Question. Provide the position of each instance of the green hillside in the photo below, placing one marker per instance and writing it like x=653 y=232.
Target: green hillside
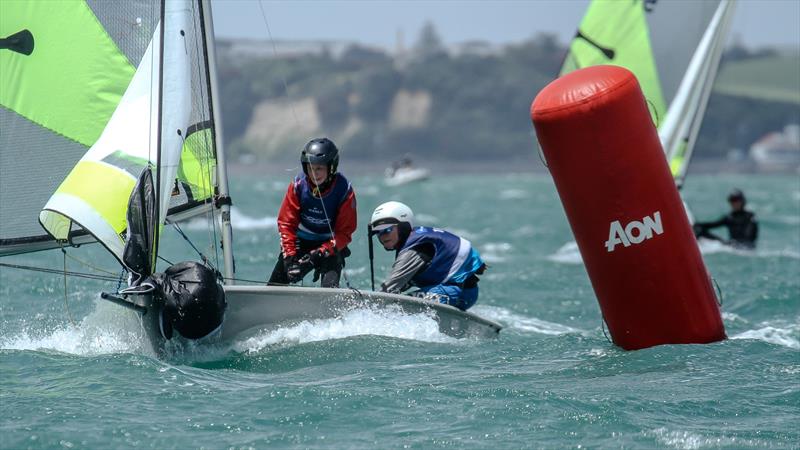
x=474 y=105
x=772 y=78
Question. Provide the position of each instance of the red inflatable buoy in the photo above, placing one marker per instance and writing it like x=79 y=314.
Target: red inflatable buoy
x=603 y=152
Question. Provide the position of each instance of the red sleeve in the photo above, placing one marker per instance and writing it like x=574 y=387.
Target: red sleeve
x=289 y=221
x=346 y=223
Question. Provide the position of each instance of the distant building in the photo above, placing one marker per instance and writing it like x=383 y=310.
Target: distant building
x=477 y=48
x=778 y=151
x=263 y=49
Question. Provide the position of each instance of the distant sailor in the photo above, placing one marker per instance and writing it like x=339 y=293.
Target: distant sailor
x=442 y=265
x=741 y=223
x=316 y=220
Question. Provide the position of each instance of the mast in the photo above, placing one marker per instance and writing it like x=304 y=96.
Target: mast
x=154 y=244
x=710 y=74
x=683 y=111
x=224 y=200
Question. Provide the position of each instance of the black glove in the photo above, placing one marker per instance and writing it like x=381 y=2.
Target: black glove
x=315 y=258
x=297 y=268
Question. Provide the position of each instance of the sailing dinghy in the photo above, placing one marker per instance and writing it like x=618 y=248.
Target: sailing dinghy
x=111 y=131
x=673 y=48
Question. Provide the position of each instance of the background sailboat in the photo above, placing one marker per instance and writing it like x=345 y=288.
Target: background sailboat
x=141 y=139
x=674 y=49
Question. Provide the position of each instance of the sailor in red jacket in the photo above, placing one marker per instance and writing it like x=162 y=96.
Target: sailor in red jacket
x=317 y=219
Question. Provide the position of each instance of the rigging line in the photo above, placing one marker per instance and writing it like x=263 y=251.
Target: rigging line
x=206 y=116
x=86 y=263
x=66 y=303
x=328 y=222
x=275 y=54
x=165 y=260
x=121 y=277
x=202 y=256
x=261 y=282
x=90 y=276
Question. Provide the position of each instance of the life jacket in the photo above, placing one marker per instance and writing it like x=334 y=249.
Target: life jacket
x=454 y=259
x=314 y=226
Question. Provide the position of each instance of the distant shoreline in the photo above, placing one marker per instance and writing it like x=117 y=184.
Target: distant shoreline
x=489 y=166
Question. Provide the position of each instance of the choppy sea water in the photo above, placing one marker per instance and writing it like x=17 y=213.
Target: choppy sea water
x=74 y=372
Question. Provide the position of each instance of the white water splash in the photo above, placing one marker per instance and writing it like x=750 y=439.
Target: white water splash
x=239 y=221
x=710 y=247
x=355 y=271
x=733 y=317
x=517 y=321
x=689 y=440
x=390 y=322
x=567 y=254
x=107 y=330
x=787 y=337
x=495 y=252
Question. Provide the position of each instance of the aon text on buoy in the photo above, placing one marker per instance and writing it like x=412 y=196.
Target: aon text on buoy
x=635 y=232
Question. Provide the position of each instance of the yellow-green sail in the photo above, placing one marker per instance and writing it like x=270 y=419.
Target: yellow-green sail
x=58 y=136
x=654 y=40
x=615 y=32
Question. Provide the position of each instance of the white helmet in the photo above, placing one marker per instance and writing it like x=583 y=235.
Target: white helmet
x=391 y=213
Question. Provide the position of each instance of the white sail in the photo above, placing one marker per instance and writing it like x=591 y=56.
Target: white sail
x=58 y=98
x=679 y=131
x=673 y=48
x=95 y=194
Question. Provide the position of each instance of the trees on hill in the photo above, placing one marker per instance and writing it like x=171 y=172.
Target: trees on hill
x=479 y=101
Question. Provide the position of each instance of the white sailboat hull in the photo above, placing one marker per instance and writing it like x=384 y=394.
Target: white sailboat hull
x=253 y=309
x=406 y=175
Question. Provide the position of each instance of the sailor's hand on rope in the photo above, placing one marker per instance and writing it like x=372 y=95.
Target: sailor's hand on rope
x=295 y=271
x=316 y=256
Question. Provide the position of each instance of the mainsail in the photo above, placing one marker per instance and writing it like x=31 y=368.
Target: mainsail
x=657 y=41
x=81 y=117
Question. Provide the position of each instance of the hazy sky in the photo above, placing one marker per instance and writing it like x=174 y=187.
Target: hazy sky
x=377 y=22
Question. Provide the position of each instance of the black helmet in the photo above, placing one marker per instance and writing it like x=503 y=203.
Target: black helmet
x=320 y=151
x=737 y=195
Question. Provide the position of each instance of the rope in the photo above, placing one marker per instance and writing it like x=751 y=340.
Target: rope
x=330 y=228
x=66 y=303
x=205 y=166
x=720 y=297
x=121 y=277
x=85 y=263
x=90 y=276
x=275 y=54
x=166 y=260
x=203 y=257
x=297 y=121
x=603 y=327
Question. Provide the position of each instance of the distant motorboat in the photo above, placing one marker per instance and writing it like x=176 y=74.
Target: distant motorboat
x=404 y=172
x=777 y=152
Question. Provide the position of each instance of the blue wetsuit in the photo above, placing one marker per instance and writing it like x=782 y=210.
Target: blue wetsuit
x=437 y=262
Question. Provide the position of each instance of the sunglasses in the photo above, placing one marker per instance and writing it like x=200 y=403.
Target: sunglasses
x=384 y=231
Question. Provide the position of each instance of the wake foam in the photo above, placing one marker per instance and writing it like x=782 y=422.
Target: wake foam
x=528 y=324
x=689 y=440
x=787 y=337
x=494 y=252
x=710 y=247
x=567 y=254
x=390 y=322
x=109 y=329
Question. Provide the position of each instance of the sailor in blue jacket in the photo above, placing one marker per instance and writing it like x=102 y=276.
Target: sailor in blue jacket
x=442 y=265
